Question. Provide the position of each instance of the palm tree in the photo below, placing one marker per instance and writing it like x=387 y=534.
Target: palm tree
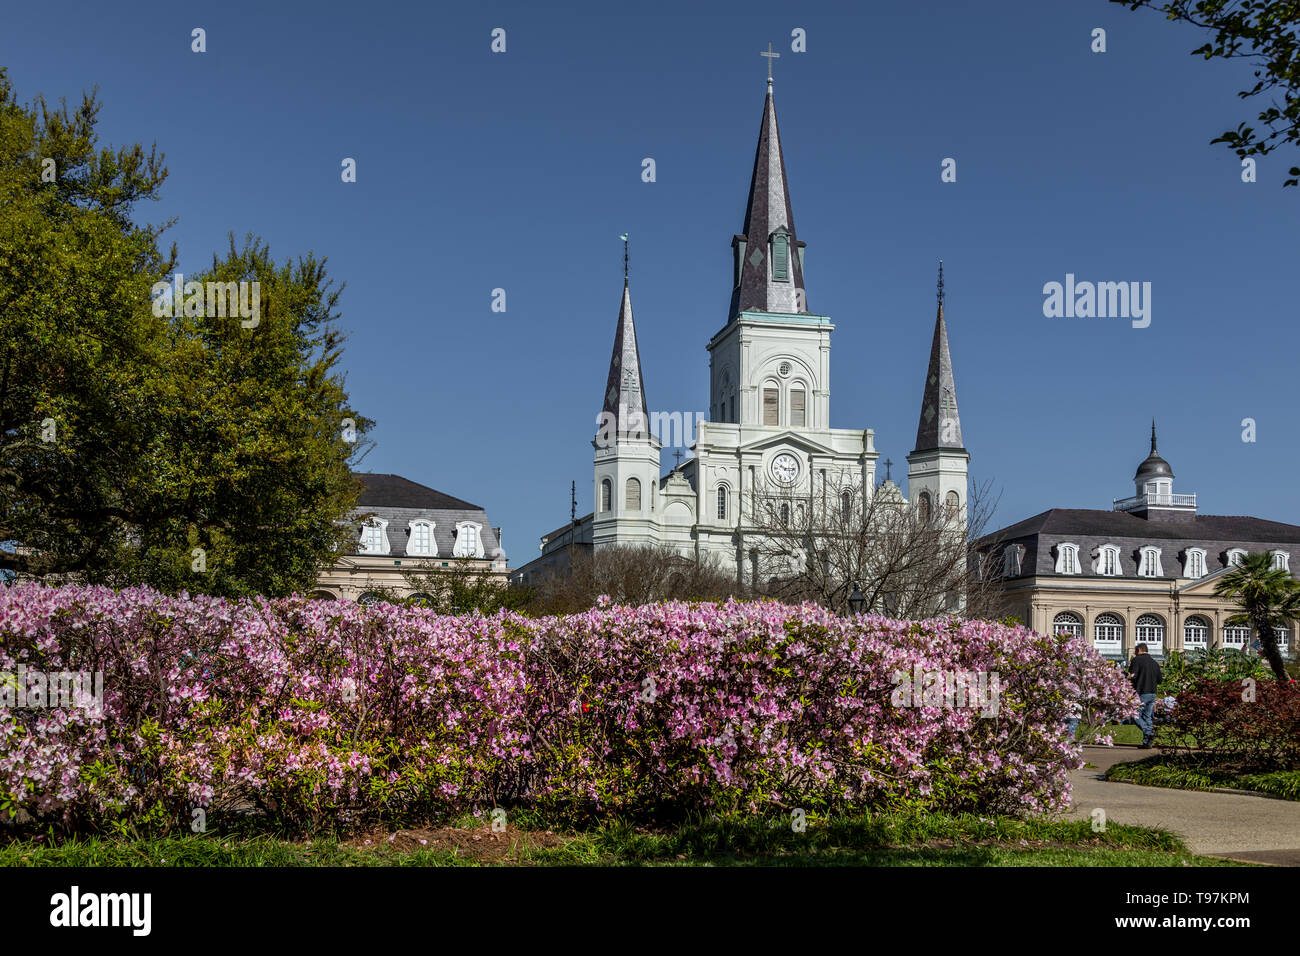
x=1267 y=596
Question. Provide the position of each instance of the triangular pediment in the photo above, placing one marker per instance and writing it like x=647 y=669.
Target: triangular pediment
x=1203 y=586
x=788 y=438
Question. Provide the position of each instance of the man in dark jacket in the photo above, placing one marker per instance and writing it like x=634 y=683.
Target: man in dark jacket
x=1144 y=673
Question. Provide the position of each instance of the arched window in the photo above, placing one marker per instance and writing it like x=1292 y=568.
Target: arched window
x=1236 y=556
x=846 y=506
x=1194 y=563
x=923 y=509
x=1107 y=560
x=321 y=595
x=1283 y=638
x=771 y=404
x=785 y=513
x=798 y=415
x=952 y=501
x=1068 y=623
x=1067 y=558
x=1236 y=637
x=606 y=494
x=369 y=599
x=633 y=494
x=420 y=543
x=420 y=599
x=1108 y=633
x=1151 y=632
x=374 y=537
x=1196 y=633
x=1011 y=560
x=722 y=502
x=469 y=540
x=1150 y=566
x=1281 y=561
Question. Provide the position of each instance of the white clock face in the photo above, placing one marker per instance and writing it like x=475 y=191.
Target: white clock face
x=785 y=468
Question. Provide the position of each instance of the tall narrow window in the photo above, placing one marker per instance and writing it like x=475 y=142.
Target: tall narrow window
x=785 y=513
x=1151 y=632
x=797 y=416
x=633 y=494
x=1067 y=558
x=722 y=503
x=780 y=257
x=1281 y=560
x=1194 y=563
x=606 y=495
x=469 y=542
x=733 y=408
x=923 y=507
x=771 y=406
x=1150 y=563
x=846 y=506
x=420 y=542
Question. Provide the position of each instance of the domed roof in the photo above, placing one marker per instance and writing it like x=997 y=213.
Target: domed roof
x=1154 y=466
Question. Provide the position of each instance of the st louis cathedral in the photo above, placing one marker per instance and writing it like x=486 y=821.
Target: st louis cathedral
x=769 y=410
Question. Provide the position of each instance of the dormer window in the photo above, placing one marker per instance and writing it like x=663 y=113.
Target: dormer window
x=1236 y=557
x=1281 y=561
x=781 y=255
x=1194 y=563
x=420 y=544
x=1150 y=565
x=1107 y=561
x=1067 y=558
x=469 y=540
x=1011 y=561
x=374 y=537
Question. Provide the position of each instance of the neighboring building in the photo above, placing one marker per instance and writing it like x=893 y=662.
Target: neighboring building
x=1144 y=571
x=769 y=410
x=402 y=526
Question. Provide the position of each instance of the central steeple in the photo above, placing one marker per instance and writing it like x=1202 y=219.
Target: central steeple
x=768 y=257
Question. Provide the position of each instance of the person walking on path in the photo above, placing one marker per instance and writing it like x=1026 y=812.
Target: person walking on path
x=1144 y=673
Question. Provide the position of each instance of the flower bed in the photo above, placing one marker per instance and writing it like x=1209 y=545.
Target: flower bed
x=319 y=713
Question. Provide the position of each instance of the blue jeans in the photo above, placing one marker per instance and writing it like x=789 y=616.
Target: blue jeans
x=1145 y=713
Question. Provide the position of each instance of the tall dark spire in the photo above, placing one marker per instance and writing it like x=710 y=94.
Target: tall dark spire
x=762 y=285
x=940 y=424
x=624 y=388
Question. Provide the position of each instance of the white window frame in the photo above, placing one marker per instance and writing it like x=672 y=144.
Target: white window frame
x=1114 y=641
x=1200 y=625
x=371 y=543
x=1194 y=563
x=1236 y=556
x=460 y=549
x=412 y=548
x=1067 y=558
x=1152 y=635
x=1012 y=559
x=1110 y=551
x=1281 y=560
x=1237 y=636
x=1150 y=566
x=1073 y=627
x=724 y=497
x=1283 y=637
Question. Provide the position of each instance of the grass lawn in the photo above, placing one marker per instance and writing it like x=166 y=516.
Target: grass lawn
x=864 y=840
x=1178 y=772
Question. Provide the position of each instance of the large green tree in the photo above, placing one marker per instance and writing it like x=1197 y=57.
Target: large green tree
x=1265 y=32
x=1268 y=597
x=183 y=451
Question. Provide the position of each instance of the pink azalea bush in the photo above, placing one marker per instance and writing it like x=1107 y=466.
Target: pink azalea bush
x=320 y=713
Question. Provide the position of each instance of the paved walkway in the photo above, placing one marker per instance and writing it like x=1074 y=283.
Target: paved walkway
x=1256 y=829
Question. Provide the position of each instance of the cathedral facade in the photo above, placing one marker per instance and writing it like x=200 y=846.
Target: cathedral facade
x=768 y=433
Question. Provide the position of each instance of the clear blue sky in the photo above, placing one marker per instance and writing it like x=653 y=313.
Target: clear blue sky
x=519 y=170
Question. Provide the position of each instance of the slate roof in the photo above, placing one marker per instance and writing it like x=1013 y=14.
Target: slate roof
x=625 y=385
x=767 y=210
x=398 y=492
x=940 y=423
x=399 y=500
x=1090 y=529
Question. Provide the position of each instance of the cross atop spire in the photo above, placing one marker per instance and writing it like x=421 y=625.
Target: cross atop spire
x=940 y=424
x=768 y=254
x=770 y=57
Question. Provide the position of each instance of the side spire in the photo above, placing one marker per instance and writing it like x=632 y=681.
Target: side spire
x=940 y=424
x=624 y=387
x=768 y=255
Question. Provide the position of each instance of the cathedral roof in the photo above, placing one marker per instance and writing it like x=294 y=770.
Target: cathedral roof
x=625 y=386
x=940 y=423
x=767 y=211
